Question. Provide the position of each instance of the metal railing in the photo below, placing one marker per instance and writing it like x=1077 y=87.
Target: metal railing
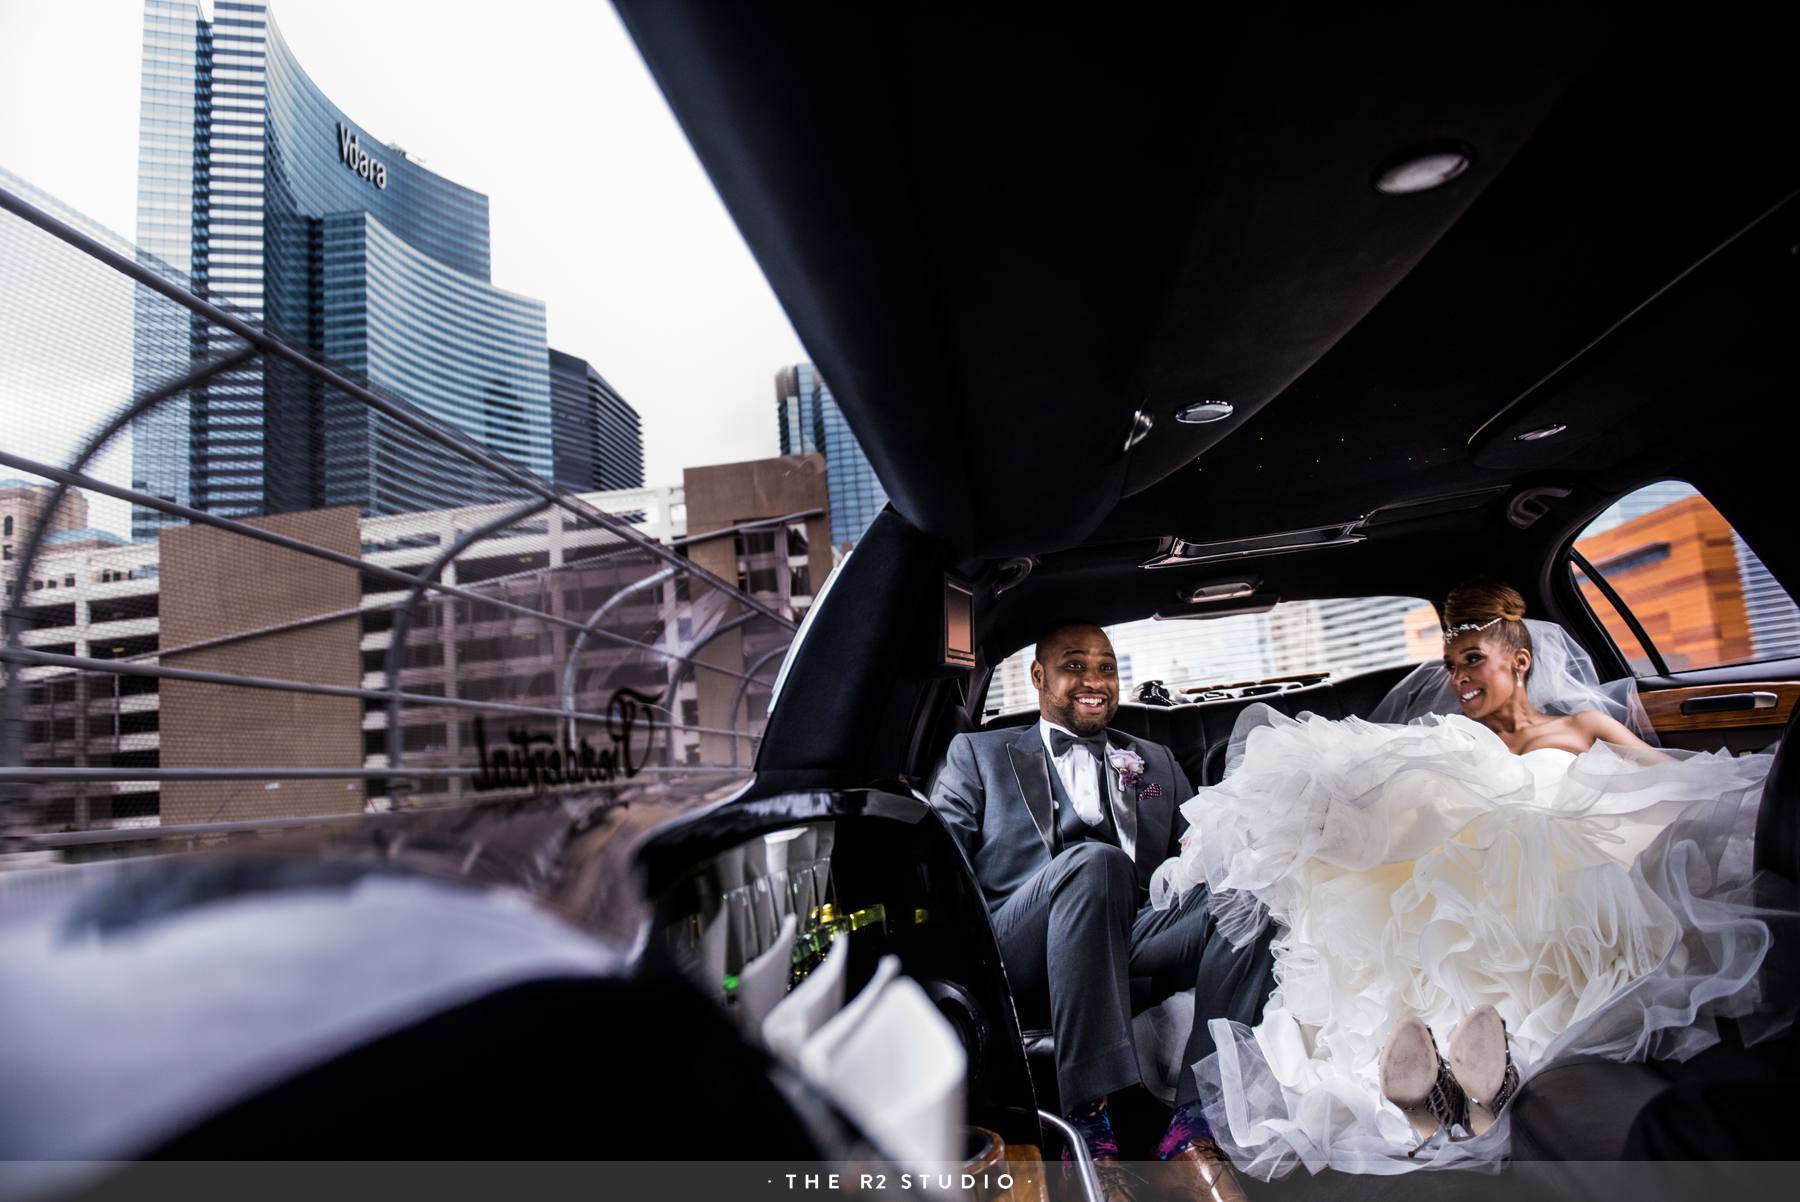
x=460 y=612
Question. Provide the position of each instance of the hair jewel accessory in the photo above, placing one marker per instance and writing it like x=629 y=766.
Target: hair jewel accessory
x=1456 y=632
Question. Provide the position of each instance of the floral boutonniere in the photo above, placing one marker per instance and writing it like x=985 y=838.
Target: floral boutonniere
x=1130 y=767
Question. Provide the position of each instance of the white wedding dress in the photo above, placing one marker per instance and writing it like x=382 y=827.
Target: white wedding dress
x=1599 y=903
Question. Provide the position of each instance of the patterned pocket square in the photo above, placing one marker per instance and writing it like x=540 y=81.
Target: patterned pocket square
x=1149 y=791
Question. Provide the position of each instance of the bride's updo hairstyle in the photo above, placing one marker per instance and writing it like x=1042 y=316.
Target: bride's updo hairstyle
x=1486 y=603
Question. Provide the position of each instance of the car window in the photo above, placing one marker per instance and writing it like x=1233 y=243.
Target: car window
x=1696 y=589
x=1623 y=637
x=1337 y=637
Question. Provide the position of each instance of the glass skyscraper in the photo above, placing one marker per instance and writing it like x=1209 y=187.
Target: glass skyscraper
x=596 y=437
x=276 y=203
x=811 y=421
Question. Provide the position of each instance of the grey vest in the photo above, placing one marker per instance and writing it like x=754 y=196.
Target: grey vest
x=1070 y=829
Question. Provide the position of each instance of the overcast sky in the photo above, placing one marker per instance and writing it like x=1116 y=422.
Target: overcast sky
x=598 y=206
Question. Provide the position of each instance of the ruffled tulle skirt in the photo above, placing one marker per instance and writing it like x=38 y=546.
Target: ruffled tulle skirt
x=1601 y=903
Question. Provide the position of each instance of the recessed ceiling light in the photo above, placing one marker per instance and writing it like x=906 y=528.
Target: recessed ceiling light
x=1202 y=412
x=1550 y=431
x=1423 y=169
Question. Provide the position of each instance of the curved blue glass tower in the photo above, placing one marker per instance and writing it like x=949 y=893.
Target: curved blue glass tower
x=275 y=201
x=812 y=421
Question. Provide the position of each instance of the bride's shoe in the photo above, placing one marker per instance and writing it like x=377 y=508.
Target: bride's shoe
x=1416 y=1079
x=1483 y=1065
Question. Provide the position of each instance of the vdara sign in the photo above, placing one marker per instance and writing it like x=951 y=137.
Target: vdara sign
x=353 y=156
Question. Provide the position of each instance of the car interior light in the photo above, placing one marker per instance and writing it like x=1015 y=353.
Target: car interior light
x=1230 y=590
x=1255 y=603
x=1202 y=412
x=1423 y=170
x=1550 y=431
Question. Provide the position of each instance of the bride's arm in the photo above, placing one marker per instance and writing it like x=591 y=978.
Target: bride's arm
x=1603 y=728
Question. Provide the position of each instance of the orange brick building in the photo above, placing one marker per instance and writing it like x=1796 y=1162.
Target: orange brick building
x=1677 y=569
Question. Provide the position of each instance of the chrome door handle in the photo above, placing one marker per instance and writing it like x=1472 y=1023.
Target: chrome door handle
x=1720 y=703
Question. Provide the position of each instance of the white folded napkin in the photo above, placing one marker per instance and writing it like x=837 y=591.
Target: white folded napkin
x=812 y=1002
x=763 y=981
x=896 y=1066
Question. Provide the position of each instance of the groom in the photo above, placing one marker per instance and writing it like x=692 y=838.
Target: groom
x=1063 y=823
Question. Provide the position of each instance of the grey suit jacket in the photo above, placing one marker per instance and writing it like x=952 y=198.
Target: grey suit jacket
x=994 y=794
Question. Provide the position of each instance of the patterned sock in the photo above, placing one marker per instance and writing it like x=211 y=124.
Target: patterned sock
x=1187 y=1125
x=1095 y=1126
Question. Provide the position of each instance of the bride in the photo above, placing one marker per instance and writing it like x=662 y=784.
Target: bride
x=1516 y=845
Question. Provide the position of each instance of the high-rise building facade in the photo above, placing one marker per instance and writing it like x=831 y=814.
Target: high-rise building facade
x=596 y=439
x=812 y=421
x=275 y=202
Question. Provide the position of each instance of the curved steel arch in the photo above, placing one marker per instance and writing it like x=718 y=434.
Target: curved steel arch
x=579 y=643
x=737 y=698
x=403 y=619
x=12 y=744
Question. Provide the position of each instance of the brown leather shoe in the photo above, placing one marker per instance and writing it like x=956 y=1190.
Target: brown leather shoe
x=1206 y=1172
x=1118 y=1183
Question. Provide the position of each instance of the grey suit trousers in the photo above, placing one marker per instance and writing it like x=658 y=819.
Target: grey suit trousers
x=1074 y=935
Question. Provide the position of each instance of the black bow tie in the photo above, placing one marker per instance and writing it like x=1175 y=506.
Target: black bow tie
x=1062 y=740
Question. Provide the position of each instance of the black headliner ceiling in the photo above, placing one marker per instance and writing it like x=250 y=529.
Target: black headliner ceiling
x=1000 y=239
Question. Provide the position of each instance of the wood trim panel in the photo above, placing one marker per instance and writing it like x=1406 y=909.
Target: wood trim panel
x=1664 y=706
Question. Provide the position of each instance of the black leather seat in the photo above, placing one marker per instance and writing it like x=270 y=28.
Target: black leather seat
x=1199 y=734
x=1778 y=822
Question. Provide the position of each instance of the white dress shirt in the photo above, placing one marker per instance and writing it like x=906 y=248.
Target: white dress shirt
x=1080 y=779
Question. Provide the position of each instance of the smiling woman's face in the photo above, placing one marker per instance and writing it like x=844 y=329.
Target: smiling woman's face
x=1483 y=671
x=1078 y=679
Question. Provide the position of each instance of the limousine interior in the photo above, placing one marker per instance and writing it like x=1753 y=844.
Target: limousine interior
x=1165 y=325
x=1255 y=311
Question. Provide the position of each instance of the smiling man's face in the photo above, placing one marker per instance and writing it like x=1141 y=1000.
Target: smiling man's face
x=1077 y=678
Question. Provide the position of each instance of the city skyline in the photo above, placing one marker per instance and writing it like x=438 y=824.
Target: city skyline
x=598 y=205
x=255 y=186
